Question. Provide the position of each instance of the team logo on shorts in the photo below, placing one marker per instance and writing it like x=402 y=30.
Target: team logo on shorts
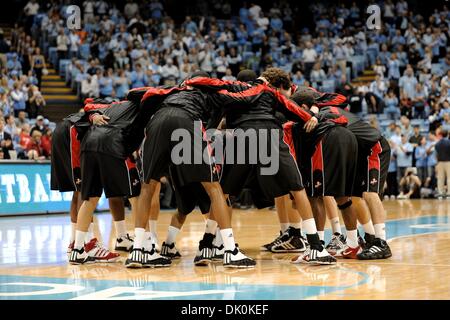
x=317 y=185
x=373 y=181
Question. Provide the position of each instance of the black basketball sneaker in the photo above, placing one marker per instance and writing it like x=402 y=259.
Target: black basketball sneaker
x=205 y=251
x=236 y=259
x=152 y=259
x=170 y=251
x=135 y=259
x=379 y=250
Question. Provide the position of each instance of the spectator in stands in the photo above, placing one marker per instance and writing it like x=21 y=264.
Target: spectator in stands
x=36 y=102
x=6 y=143
x=405 y=125
x=317 y=76
x=39 y=125
x=391 y=102
x=418 y=100
x=309 y=57
x=393 y=68
x=22 y=119
x=416 y=136
x=33 y=148
x=421 y=159
x=105 y=83
x=38 y=65
x=446 y=122
x=62 y=42
x=90 y=87
x=391 y=180
x=170 y=73
x=404 y=154
x=46 y=143
x=18 y=98
x=443 y=166
x=408 y=82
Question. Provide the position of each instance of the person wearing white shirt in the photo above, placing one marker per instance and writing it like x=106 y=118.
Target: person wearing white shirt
x=88 y=7
x=262 y=21
x=254 y=11
x=309 y=57
x=169 y=70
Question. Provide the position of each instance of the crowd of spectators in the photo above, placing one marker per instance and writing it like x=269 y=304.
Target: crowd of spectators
x=24 y=132
x=139 y=44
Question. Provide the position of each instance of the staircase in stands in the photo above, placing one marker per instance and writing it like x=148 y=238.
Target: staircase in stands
x=60 y=99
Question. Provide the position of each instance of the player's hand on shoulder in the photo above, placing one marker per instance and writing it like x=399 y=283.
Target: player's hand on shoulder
x=311 y=124
x=100 y=119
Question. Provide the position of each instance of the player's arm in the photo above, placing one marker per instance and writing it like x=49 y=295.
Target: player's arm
x=94 y=112
x=216 y=84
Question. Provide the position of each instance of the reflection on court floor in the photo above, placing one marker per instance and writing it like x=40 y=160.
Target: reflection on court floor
x=33 y=263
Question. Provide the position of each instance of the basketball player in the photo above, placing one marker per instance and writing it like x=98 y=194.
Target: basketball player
x=181 y=108
x=373 y=162
x=107 y=164
x=258 y=103
x=66 y=177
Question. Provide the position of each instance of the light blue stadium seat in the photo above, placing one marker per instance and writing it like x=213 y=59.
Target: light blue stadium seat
x=328 y=86
x=62 y=67
x=436 y=68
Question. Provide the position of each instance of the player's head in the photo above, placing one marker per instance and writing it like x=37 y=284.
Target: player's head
x=198 y=74
x=278 y=79
x=305 y=96
x=246 y=75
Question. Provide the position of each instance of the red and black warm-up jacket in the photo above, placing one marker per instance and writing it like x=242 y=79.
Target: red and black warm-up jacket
x=366 y=135
x=123 y=133
x=243 y=102
x=324 y=99
x=192 y=102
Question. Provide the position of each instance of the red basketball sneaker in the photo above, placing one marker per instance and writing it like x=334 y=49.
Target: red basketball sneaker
x=351 y=253
x=101 y=254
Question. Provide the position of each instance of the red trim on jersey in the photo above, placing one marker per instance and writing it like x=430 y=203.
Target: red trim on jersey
x=88 y=100
x=130 y=164
x=95 y=106
x=213 y=82
x=74 y=148
x=373 y=160
x=288 y=138
x=151 y=92
x=317 y=158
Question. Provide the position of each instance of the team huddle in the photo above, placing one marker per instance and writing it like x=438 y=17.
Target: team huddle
x=328 y=160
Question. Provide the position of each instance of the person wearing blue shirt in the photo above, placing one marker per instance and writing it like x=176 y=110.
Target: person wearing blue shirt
x=276 y=23
x=421 y=159
x=431 y=155
x=138 y=77
x=391 y=102
x=106 y=84
x=403 y=152
x=121 y=84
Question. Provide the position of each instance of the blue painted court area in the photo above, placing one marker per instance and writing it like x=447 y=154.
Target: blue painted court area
x=26 y=287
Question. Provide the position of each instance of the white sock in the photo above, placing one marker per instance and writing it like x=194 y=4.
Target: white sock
x=139 y=238
x=284 y=226
x=90 y=232
x=121 y=229
x=73 y=229
x=228 y=239
x=80 y=237
x=296 y=225
x=321 y=235
x=336 y=225
x=148 y=241
x=218 y=241
x=380 y=230
x=352 y=238
x=152 y=227
x=210 y=226
x=172 y=233
x=368 y=228
x=309 y=226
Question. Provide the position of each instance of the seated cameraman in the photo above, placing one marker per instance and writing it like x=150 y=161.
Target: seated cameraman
x=410 y=185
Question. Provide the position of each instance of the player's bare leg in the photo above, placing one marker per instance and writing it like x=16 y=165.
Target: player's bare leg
x=349 y=215
x=154 y=215
x=143 y=253
x=124 y=241
x=379 y=249
x=233 y=257
x=337 y=243
x=317 y=253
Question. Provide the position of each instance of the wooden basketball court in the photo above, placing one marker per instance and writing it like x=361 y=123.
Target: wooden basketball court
x=33 y=262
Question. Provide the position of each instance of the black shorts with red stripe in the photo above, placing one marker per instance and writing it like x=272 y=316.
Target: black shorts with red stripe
x=173 y=139
x=330 y=171
x=265 y=164
x=115 y=176
x=373 y=168
x=65 y=160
